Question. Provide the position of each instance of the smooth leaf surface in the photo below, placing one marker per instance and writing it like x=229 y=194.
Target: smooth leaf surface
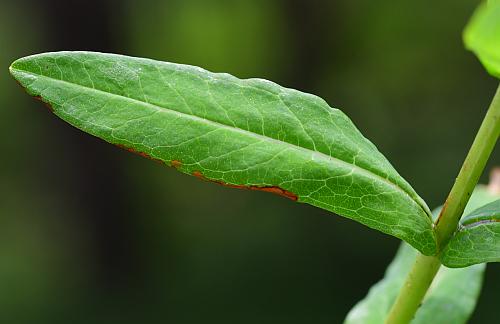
x=451 y=298
x=477 y=240
x=482 y=36
x=250 y=134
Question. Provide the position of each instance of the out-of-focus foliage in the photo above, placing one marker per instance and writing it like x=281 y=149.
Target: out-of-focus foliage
x=245 y=38
x=453 y=290
x=482 y=36
x=35 y=253
x=457 y=290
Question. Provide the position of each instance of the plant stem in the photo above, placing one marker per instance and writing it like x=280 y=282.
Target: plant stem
x=413 y=291
x=470 y=172
x=425 y=268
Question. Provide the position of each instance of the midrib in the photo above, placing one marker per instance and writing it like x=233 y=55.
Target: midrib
x=355 y=168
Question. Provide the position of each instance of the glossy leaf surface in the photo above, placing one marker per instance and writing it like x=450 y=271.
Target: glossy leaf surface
x=250 y=134
x=451 y=298
x=482 y=36
x=478 y=239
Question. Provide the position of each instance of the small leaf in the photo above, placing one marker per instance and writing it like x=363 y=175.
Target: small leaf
x=477 y=240
x=250 y=134
x=451 y=298
x=482 y=36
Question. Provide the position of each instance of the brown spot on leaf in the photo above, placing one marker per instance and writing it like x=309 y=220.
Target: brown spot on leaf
x=276 y=190
x=147 y=156
x=272 y=189
x=176 y=164
x=199 y=175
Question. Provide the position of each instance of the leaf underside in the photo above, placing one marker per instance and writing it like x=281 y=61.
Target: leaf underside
x=477 y=240
x=243 y=133
x=482 y=36
x=451 y=298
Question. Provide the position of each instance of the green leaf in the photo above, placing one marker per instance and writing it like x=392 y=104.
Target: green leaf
x=250 y=134
x=451 y=298
x=482 y=36
x=477 y=240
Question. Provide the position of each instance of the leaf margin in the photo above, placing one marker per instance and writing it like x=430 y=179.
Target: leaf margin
x=17 y=71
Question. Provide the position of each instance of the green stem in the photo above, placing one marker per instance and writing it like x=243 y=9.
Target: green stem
x=413 y=291
x=470 y=172
x=425 y=268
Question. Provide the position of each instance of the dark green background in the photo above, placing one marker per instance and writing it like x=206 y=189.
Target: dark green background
x=90 y=233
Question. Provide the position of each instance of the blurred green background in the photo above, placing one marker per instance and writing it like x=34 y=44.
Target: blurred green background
x=90 y=233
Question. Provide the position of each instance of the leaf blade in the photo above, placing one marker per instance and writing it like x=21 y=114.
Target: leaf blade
x=244 y=133
x=477 y=240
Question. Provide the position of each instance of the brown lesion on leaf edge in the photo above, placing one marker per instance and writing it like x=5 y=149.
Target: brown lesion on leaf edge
x=46 y=104
x=272 y=189
x=176 y=164
x=143 y=154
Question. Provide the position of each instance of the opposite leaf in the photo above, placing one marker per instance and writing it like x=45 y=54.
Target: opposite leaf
x=477 y=240
x=451 y=298
x=482 y=36
x=243 y=133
